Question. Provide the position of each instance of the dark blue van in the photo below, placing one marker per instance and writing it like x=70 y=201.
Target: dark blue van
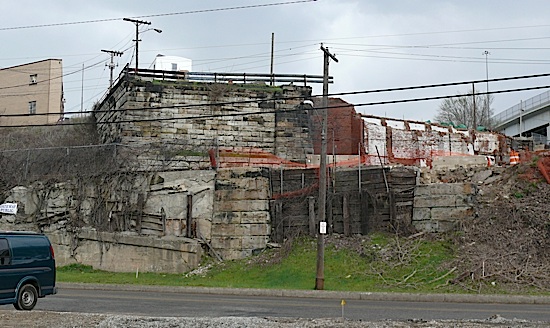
x=27 y=268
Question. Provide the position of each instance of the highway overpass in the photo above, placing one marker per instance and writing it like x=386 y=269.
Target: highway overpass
x=529 y=118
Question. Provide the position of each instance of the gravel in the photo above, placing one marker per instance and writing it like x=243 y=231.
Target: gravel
x=34 y=319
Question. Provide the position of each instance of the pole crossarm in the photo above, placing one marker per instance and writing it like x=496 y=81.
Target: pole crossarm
x=137 y=22
x=111 y=65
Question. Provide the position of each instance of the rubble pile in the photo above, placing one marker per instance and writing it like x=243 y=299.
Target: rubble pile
x=508 y=242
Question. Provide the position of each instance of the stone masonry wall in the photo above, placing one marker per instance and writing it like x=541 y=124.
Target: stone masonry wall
x=126 y=252
x=241 y=222
x=293 y=140
x=142 y=225
x=438 y=207
x=174 y=125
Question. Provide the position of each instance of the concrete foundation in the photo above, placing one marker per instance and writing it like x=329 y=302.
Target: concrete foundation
x=122 y=252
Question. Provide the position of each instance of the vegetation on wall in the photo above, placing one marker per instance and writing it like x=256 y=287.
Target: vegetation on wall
x=73 y=180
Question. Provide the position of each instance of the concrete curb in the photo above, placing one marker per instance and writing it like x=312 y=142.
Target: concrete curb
x=406 y=297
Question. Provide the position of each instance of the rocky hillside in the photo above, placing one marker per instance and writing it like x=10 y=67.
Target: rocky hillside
x=508 y=242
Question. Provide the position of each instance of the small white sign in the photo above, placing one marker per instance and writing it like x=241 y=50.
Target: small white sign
x=322 y=227
x=8 y=208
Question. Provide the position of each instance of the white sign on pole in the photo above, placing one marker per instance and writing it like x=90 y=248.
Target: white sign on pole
x=8 y=208
x=323 y=227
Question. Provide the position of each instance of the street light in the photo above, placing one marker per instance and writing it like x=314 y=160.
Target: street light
x=521 y=110
x=486 y=53
x=138 y=23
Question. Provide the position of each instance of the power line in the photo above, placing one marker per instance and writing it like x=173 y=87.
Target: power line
x=347 y=93
x=409 y=100
x=53 y=78
x=438 y=32
x=439 y=58
x=157 y=15
x=443 y=45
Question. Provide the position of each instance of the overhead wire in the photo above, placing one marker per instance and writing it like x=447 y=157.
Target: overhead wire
x=409 y=100
x=289 y=98
x=443 y=58
x=157 y=15
x=53 y=78
x=434 y=58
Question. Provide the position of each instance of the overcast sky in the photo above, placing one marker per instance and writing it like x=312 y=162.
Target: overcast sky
x=379 y=44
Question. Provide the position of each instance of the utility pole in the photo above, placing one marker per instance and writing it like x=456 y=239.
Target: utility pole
x=486 y=53
x=112 y=65
x=320 y=278
x=474 y=105
x=272 y=50
x=82 y=91
x=137 y=22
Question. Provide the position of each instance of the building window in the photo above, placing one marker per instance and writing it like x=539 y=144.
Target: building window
x=34 y=78
x=174 y=66
x=32 y=107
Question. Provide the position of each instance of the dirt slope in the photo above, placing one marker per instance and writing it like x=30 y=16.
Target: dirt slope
x=509 y=240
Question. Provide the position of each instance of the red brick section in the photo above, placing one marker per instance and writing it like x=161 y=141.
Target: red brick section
x=344 y=128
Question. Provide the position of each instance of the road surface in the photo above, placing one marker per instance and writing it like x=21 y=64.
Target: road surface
x=162 y=303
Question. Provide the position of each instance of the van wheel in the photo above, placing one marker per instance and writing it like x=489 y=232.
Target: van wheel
x=27 y=298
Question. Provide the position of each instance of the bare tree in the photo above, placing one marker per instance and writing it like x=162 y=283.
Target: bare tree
x=460 y=110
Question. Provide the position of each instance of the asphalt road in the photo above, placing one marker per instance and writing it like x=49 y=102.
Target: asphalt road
x=197 y=302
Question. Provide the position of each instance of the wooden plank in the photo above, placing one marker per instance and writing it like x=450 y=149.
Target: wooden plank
x=311 y=205
x=151 y=226
x=345 y=214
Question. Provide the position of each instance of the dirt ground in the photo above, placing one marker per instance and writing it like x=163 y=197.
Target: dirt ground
x=35 y=319
x=508 y=241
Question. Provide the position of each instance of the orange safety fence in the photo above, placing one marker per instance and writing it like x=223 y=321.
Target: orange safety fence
x=544 y=167
x=255 y=157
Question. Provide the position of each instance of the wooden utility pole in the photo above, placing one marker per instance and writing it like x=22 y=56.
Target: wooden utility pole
x=138 y=23
x=320 y=278
x=111 y=65
x=272 y=51
x=474 y=105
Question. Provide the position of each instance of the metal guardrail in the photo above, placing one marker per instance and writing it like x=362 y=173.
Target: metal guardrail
x=227 y=77
x=528 y=105
x=216 y=77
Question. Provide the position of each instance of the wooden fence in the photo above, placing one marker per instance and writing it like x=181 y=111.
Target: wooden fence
x=383 y=201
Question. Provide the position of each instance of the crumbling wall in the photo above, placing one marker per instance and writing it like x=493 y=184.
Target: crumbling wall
x=401 y=142
x=120 y=222
x=344 y=127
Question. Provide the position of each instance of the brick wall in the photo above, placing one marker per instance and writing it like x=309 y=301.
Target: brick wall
x=344 y=127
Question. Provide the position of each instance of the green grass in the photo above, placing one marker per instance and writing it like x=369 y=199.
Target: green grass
x=386 y=264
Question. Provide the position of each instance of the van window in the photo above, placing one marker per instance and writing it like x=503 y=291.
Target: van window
x=4 y=252
x=25 y=247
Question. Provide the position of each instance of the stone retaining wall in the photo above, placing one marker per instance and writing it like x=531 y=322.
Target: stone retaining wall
x=241 y=222
x=121 y=252
x=174 y=125
x=438 y=207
